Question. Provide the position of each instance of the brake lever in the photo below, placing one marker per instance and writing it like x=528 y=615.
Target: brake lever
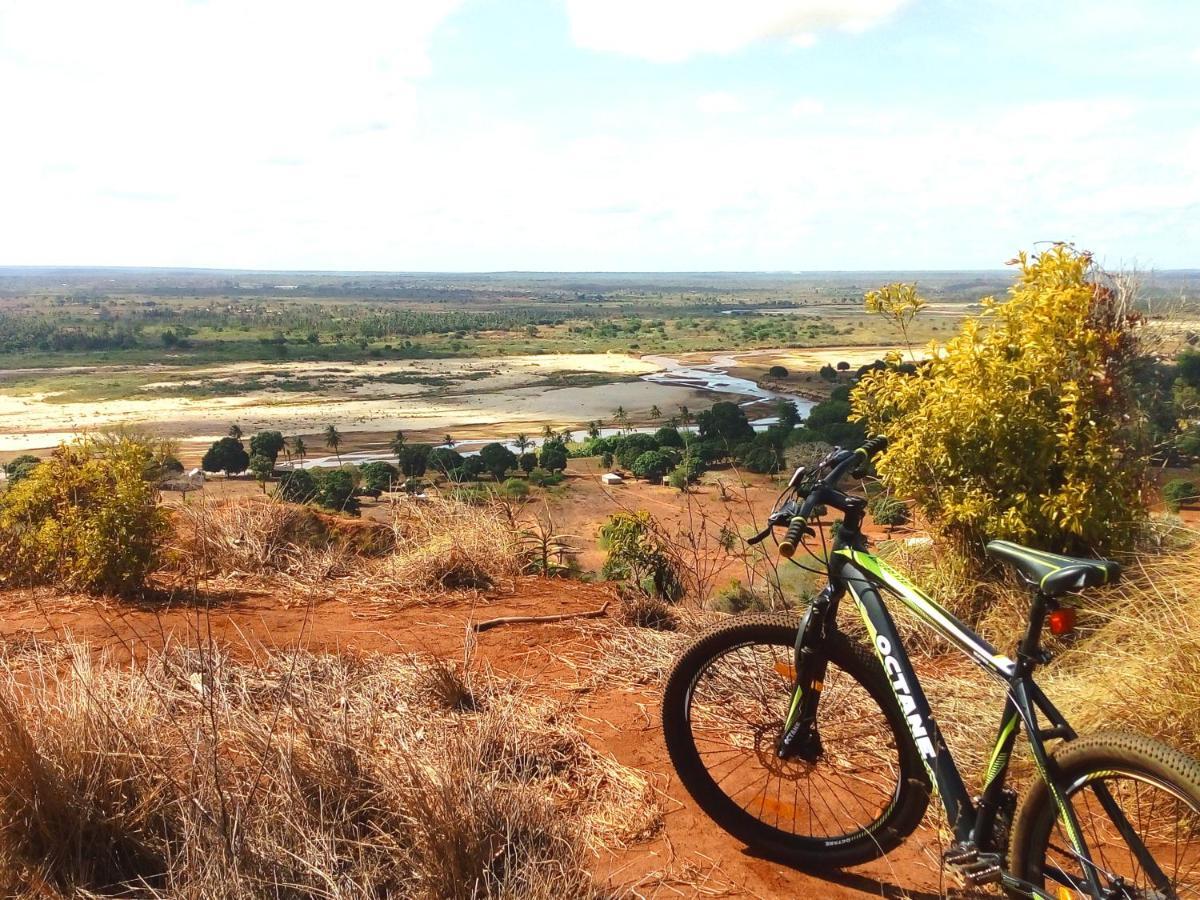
x=761 y=536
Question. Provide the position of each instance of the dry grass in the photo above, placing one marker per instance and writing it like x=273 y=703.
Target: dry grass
x=302 y=776
x=447 y=544
x=430 y=547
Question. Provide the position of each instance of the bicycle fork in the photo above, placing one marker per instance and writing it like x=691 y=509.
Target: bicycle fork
x=800 y=738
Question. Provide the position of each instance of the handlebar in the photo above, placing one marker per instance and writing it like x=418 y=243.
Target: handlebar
x=839 y=462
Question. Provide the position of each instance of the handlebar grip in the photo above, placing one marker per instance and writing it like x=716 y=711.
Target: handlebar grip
x=787 y=547
x=874 y=445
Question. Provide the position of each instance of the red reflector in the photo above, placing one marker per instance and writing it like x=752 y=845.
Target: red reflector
x=1062 y=620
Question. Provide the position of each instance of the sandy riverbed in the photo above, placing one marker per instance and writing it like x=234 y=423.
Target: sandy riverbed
x=480 y=397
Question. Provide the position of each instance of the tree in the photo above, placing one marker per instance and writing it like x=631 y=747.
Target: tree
x=652 y=465
x=20 y=467
x=655 y=412
x=547 y=433
x=522 y=443
x=828 y=372
x=685 y=415
x=760 y=457
x=725 y=422
x=262 y=467
x=397 y=443
x=553 y=457
x=235 y=431
x=843 y=366
x=445 y=461
x=335 y=490
x=379 y=475
x=268 y=444
x=593 y=429
x=787 y=414
x=668 y=437
x=1026 y=425
x=333 y=440
x=887 y=511
x=621 y=418
x=226 y=455
x=296 y=486
x=631 y=446
x=298 y=448
x=498 y=459
x=777 y=372
x=413 y=459
x=679 y=480
x=449 y=441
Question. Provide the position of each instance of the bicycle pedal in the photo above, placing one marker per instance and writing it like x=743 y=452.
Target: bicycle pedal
x=959 y=855
x=978 y=877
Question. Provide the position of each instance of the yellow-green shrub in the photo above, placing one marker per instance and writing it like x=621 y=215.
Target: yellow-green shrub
x=86 y=519
x=1025 y=425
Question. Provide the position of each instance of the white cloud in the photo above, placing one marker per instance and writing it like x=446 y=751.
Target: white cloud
x=675 y=30
x=214 y=109
x=1196 y=55
x=804 y=40
x=807 y=106
x=719 y=103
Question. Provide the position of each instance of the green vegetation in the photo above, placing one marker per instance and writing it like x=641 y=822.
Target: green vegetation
x=86 y=518
x=639 y=555
x=1179 y=491
x=1027 y=426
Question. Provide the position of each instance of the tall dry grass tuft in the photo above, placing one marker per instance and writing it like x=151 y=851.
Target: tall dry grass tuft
x=445 y=543
x=303 y=776
x=441 y=544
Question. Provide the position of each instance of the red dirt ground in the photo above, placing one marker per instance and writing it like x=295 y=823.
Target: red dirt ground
x=621 y=721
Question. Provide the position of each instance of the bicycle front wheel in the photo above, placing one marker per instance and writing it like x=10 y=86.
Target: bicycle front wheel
x=723 y=713
x=1138 y=806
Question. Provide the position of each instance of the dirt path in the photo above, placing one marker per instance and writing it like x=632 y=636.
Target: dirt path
x=622 y=721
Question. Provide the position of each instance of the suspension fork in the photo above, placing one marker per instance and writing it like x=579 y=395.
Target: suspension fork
x=800 y=737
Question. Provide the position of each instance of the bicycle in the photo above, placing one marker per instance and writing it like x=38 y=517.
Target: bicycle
x=816 y=750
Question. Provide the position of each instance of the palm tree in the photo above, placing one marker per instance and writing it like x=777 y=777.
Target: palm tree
x=522 y=443
x=235 y=431
x=621 y=418
x=593 y=429
x=449 y=441
x=655 y=412
x=567 y=436
x=298 y=447
x=333 y=440
x=547 y=433
x=685 y=415
x=397 y=444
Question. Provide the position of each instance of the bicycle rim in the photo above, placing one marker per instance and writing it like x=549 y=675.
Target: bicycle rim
x=736 y=709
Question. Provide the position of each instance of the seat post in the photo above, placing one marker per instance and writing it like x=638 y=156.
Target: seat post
x=1029 y=652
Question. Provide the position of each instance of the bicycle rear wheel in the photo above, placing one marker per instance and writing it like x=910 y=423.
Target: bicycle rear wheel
x=723 y=712
x=1138 y=806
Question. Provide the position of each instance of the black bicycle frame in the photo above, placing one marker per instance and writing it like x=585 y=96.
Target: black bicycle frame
x=861 y=574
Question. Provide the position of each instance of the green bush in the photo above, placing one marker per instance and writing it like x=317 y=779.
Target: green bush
x=652 y=465
x=1026 y=425
x=1177 y=492
x=638 y=554
x=553 y=456
x=84 y=519
x=887 y=511
x=379 y=475
x=515 y=488
x=20 y=467
x=735 y=598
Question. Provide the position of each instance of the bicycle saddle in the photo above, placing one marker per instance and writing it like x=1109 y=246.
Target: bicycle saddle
x=1052 y=573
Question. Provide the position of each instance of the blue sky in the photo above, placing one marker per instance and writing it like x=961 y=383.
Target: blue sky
x=468 y=135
